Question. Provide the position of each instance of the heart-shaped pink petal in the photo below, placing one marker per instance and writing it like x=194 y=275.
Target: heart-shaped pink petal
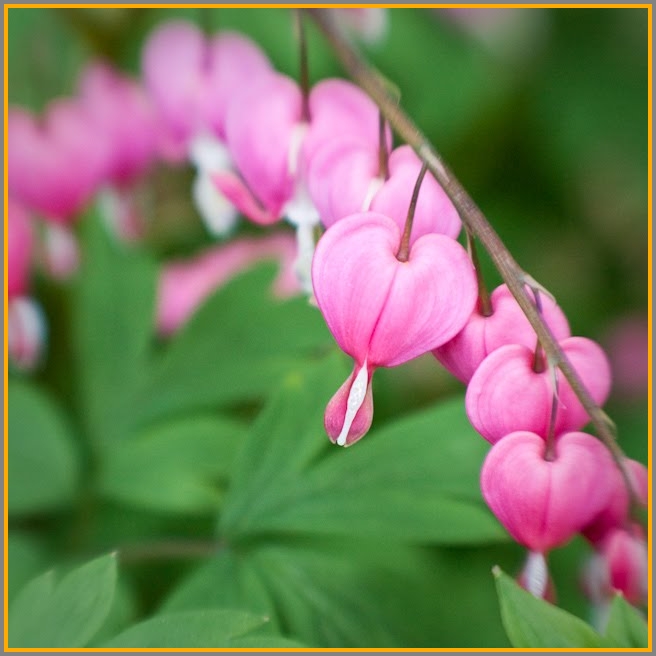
x=507 y=325
x=383 y=310
x=505 y=394
x=342 y=178
x=435 y=213
x=262 y=126
x=543 y=503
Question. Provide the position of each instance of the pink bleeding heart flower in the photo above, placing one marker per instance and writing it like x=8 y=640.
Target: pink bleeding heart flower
x=55 y=164
x=192 y=80
x=124 y=117
x=506 y=394
x=184 y=285
x=616 y=513
x=543 y=503
x=344 y=178
x=506 y=325
x=435 y=213
x=383 y=311
x=619 y=565
x=19 y=249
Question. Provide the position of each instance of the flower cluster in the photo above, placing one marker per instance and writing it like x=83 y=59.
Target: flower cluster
x=388 y=273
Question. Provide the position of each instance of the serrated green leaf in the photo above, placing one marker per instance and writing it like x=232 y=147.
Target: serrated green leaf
x=189 y=629
x=113 y=320
x=181 y=466
x=626 y=626
x=43 y=462
x=415 y=480
x=237 y=346
x=535 y=623
x=65 y=614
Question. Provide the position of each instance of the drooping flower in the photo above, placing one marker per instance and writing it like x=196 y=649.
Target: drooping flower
x=344 y=177
x=506 y=394
x=192 y=81
x=544 y=503
x=506 y=325
x=383 y=311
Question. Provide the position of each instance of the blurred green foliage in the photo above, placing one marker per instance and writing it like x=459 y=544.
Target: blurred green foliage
x=203 y=461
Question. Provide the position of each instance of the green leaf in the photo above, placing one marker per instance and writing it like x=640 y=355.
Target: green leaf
x=532 y=622
x=227 y=580
x=626 y=626
x=181 y=466
x=113 y=316
x=189 y=629
x=355 y=593
x=65 y=614
x=26 y=557
x=236 y=346
x=414 y=480
x=43 y=464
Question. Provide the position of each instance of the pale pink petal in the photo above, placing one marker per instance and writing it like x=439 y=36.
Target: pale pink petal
x=233 y=188
x=173 y=61
x=338 y=107
x=260 y=128
x=342 y=178
x=434 y=213
x=236 y=61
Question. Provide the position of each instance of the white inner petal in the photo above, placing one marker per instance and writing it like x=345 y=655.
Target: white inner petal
x=208 y=153
x=372 y=190
x=295 y=143
x=217 y=212
x=356 y=397
x=536 y=574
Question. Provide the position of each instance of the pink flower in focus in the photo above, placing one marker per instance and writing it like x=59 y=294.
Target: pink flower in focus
x=544 y=503
x=506 y=394
x=383 y=311
x=507 y=325
x=344 y=178
x=184 y=285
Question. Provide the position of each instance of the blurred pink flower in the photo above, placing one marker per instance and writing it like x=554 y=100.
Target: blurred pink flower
x=185 y=284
